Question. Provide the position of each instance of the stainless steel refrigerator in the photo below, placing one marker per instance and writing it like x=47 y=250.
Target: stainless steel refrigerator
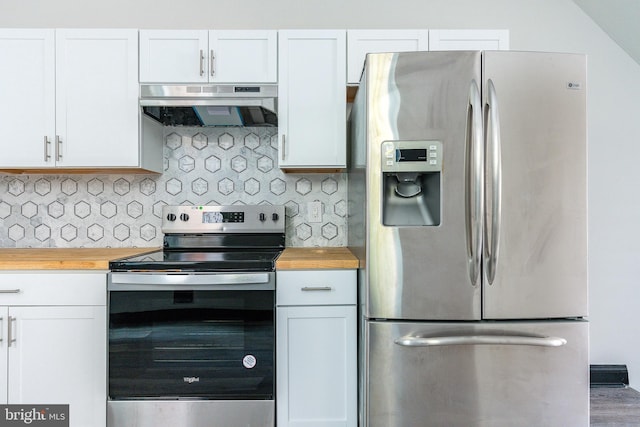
x=468 y=210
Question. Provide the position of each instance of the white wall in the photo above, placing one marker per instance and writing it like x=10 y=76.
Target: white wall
x=553 y=25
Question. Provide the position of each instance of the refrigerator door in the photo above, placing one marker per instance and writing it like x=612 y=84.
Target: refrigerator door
x=423 y=271
x=535 y=239
x=474 y=374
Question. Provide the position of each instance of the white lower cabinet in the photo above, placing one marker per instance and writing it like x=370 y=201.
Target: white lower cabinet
x=316 y=348
x=53 y=343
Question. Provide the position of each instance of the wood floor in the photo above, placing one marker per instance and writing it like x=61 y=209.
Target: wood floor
x=615 y=407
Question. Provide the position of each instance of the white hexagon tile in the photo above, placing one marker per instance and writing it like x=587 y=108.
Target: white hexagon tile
x=202 y=166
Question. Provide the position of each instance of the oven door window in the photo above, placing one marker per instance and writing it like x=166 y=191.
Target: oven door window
x=191 y=345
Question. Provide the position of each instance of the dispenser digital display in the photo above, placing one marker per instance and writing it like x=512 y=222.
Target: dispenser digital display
x=221 y=217
x=411 y=182
x=411 y=155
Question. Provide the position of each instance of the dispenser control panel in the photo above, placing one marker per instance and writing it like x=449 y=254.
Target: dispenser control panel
x=411 y=156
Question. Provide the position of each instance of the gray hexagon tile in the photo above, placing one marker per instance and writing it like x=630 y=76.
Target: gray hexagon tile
x=252 y=186
x=42 y=187
x=82 y=209
x=200 y=186
x=5 y=210
x=95 y=187
x=69 y=187
x=95 y=232
x=135 y=209
x=108 y=209
x=187 y=163
x=55 y=209
x=212 y=164
x=199 y=141
x=42 y=232
x=16 y=187
x=121 y=187
x=225 y=186
x=174 y=141
x=239 y=164
x=29 y=210
x=69 y=232
x=147 y=187
x=278 y=186
x=225 y=141
x=16 y=232
x=252 y=141
x=265 y=164
x=201 y=166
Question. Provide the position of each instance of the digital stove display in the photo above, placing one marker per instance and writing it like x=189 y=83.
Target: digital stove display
x=220 y=217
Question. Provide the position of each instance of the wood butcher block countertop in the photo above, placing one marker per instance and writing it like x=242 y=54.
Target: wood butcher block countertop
x=64 y=258
x=316 y=258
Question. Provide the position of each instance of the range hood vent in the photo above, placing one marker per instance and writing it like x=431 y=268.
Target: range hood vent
x=210 y=105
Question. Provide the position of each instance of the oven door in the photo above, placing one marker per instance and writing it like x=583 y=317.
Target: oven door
x=191 y=336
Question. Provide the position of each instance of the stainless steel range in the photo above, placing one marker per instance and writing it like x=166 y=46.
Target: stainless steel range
x=191 y=327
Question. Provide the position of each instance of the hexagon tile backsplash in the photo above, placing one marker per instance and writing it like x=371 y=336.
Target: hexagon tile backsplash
x=201 y=166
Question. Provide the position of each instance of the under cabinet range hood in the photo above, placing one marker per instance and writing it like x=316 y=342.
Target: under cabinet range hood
x=210 y=105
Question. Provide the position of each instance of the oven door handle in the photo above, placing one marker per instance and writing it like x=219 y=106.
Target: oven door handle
x=184 y=281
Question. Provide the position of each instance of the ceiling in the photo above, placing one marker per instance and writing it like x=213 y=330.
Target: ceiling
x=620 y=19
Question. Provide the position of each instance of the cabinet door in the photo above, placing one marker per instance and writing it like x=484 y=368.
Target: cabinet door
x=59 y=357
x=4 y=340
x=312 y=98
x=468 y=39
x=173 y=56
x=361 y=42
x=27 y=103
x=97 y=98
x=316 y=366
x=243 y=56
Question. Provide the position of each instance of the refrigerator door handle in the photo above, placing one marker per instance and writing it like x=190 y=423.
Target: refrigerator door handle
x=493 y=202
x=417 y=341
x=474 y=182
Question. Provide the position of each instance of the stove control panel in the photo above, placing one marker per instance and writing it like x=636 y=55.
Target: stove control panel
x=223 y=219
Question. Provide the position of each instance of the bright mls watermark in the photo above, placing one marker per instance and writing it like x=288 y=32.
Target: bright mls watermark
x=34 y=415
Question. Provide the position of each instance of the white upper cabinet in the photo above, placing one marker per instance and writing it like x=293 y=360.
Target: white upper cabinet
x=97 y=98
x=312 y=99
x=69 y=99
x=202 y=56
x=361 y=42
x=27 y=96
x=243 y=56
x=468 y=39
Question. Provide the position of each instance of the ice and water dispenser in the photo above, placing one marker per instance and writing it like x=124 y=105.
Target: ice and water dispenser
x=411 y=183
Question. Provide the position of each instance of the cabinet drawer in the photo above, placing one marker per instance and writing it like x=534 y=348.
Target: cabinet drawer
x=316 y=287
x=52 y=288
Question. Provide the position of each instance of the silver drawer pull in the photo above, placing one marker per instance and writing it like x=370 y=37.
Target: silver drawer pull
x=316 y=288
x=9 y=291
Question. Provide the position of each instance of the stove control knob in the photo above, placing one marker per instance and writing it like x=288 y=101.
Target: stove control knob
x=171 y=217
x=184 y=217
x=262 y=217
x=274 y=216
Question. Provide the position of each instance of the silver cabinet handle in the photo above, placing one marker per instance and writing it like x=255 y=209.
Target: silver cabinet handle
x=10 y=335
x=316 y=288
x=211 y=59
x=1 y=327
x=9 y=291
x=58 y=148
x=201 y=62
x=283 y=149
x=494 y=172
x=47 y=144
x=474 y=188
x=416 y=341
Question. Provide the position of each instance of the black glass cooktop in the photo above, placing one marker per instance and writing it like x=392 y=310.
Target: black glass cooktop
x=199 y=261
